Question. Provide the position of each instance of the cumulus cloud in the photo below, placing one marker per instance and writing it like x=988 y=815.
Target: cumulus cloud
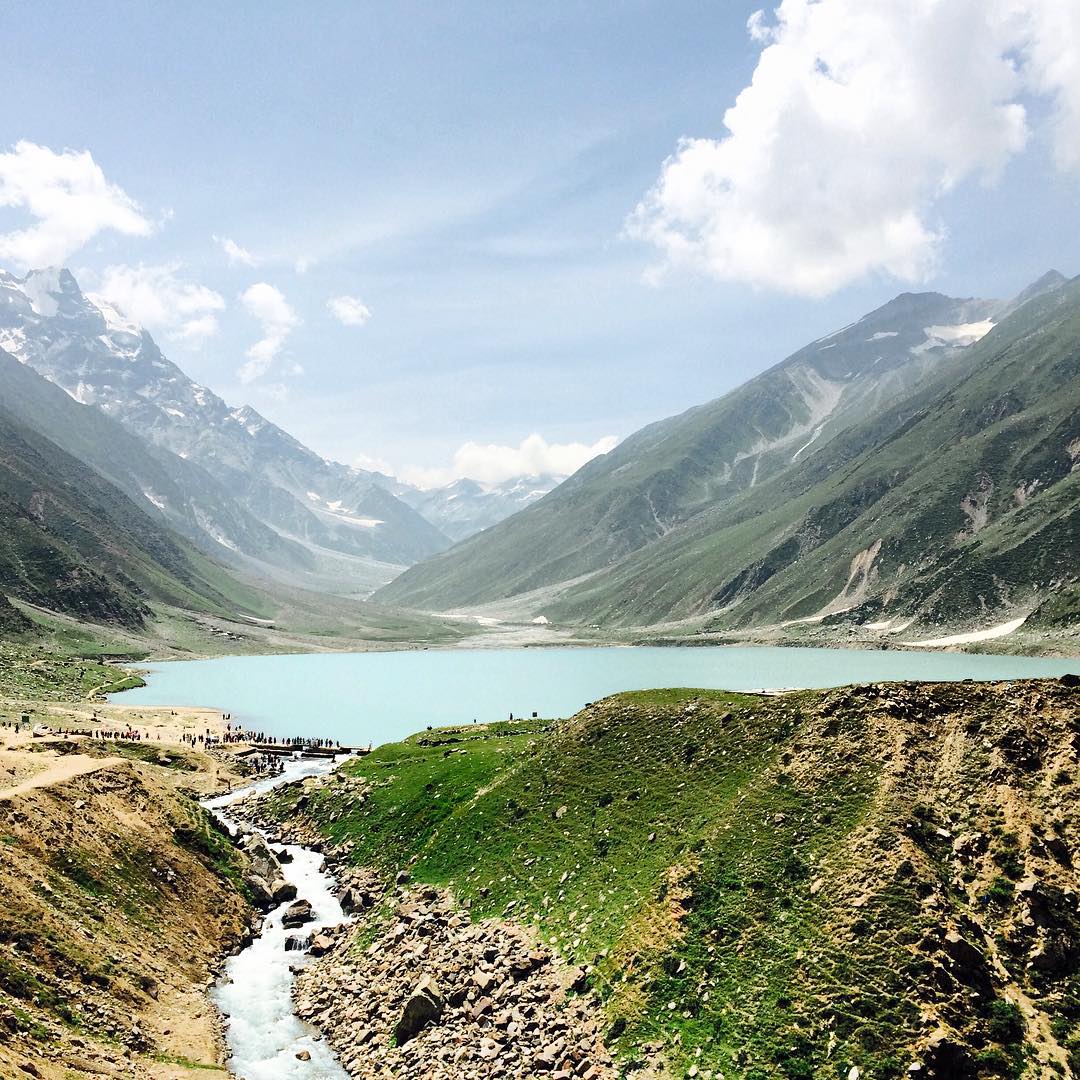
x=303 y=264
x=278 y=320
x=69 y=199
x=237 y=255
x=493 y=464
x=350 y=310
x=160 y=299
x=859 y=116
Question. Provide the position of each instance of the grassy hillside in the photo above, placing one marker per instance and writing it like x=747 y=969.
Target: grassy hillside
x=760 y=887
x=672 y=470
x=956 y=501
x=72 y=542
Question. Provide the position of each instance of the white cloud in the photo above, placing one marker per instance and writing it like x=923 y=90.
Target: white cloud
x=373 y=464
x=278 y=319
x=1053 y=54
x=303 y=264
x=159 y=299
x=493 y=464
x=237 y=255
x=69 y=198
x=860 y=114
x=350 y=310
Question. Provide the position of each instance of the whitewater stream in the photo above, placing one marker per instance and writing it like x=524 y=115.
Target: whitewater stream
x=254 y=995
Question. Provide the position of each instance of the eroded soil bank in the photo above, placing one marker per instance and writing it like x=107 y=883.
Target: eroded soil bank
x=119 y=898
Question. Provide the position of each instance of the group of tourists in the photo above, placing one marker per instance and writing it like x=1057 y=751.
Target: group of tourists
x=262 y=738
x=129 y=734
x=202 y=738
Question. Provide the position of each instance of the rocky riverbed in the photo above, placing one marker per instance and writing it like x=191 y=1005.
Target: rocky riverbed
x=415 y=987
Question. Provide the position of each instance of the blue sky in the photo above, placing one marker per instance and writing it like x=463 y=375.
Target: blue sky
x=466 y=171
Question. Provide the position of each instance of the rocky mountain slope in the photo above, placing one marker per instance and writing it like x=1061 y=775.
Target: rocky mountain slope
x=103 y=359
x=872 y=881
x=695 y=515
x=74 y=543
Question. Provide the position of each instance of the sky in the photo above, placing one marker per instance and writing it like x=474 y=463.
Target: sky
x=489 y=238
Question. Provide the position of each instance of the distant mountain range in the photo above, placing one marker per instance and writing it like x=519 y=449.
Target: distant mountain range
x=918 y=466
x=919 y=463
x=231 y=481
x=466 y=506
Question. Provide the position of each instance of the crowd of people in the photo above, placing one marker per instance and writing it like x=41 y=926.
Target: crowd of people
x=236 y=733
x=201 y=740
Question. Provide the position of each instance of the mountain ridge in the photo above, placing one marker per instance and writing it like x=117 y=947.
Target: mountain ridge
x=103 y=359
x=614 y=568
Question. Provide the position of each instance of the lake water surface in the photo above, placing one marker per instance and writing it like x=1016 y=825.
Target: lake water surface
x=376 y=697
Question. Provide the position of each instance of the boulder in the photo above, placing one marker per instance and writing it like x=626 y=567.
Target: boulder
x=282 y=890
x=298 y=914
x=423 y=1007
x=320 y=945
x=260 y=892
x=263 y=861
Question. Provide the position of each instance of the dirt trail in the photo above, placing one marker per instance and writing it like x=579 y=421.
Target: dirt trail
x=66 y=768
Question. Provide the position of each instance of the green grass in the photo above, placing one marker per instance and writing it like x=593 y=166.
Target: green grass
x=187 y=1063
x=726 y=866
x=32 y=673
x=592 y=831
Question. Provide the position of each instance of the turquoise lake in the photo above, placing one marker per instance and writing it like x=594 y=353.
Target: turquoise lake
x=361 y=698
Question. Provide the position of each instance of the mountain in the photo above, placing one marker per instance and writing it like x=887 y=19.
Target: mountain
x=72 y=542
x=944 y=489
x=956 y=502
x=672 y=470
x=174 y=489
x=100 y=358
x=465 y=507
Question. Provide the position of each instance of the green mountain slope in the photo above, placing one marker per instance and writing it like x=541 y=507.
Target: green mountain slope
x=72 y=542
x=671 y=471
x=818 y=885
x=164 y=485
x=954 y=502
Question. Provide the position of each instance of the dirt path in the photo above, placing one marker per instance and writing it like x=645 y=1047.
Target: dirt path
x=65 y=768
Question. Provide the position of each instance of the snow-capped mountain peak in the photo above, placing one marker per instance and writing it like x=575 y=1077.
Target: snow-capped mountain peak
x=102 y=358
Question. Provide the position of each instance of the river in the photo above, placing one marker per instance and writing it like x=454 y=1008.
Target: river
x=376 y=697
x=263 y=1033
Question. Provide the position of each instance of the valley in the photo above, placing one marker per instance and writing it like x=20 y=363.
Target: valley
x=873 y=878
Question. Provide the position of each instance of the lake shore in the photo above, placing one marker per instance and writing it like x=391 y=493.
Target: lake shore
x=363 y=698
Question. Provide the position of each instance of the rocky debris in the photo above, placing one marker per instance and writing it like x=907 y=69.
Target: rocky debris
x=438 y=996
x=297 y=914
